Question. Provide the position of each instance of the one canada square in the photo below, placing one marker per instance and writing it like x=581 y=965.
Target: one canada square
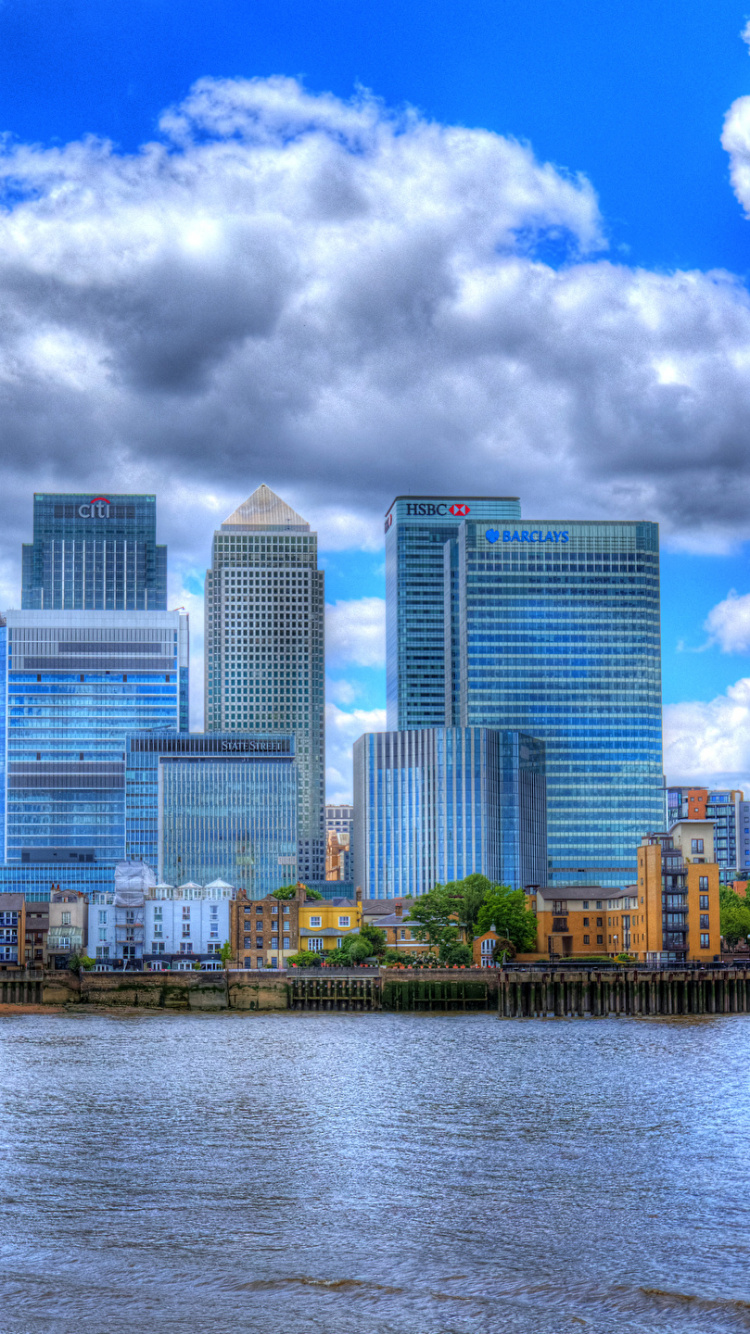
x=265 y=647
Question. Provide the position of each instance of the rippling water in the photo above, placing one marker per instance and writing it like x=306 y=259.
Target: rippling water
x=356 y=1173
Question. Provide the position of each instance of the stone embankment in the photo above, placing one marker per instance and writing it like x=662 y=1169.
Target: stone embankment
x=511 y=993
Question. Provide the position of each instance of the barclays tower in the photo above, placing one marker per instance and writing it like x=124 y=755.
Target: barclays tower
x=548 y=627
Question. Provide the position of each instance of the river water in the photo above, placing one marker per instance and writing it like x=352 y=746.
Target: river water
x=355 y=1173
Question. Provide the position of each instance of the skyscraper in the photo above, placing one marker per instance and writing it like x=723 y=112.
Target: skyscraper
x=441 y=803
x=199 y=807
x=264 y=659
x=74 y=684
x=96 y=553
x=547 y=627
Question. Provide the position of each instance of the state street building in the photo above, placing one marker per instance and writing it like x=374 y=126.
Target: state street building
x=548 y=627
x=207 y=807
x=264 y=639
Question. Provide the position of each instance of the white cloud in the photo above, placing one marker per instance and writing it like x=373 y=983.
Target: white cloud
x=342 y=692
x=347 y=303
x=708 y=742
x=728 y=623
x=342 y=730
x=355 y=632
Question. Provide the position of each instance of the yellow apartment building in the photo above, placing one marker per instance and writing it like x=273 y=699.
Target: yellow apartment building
x=323 y=924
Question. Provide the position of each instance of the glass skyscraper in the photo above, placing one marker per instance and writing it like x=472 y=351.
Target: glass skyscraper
x=74 y=684
x=265 y=666
x=440 y=803
x=93 y=552
x=542 y=626
x=207 y=806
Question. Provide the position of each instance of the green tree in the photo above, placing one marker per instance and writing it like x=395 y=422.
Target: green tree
x=458 y=955
x=290 y=892
x=433 y=918
x=77 y=962
x=735 y=917
x=225 y=953
x=505 y=909
x=305 y=959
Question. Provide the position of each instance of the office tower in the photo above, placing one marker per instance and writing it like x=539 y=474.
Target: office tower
x=202 y=807
x=94 y=553
x=416 y=533
x=546 y=627
x=728 y=810
x=441 y=803
x=74 y=684
x=265 y=647
x=339 y=845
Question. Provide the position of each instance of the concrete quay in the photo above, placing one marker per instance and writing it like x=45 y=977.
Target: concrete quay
x=511 y=993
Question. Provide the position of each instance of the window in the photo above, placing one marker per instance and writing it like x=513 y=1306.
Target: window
x=600 y=921
x=102 y=933
x=696 y=845
x=703 y=882
x=102 y=917
x=186 y=912
x=157 y=946
x=598 y=903
x=600 y=940
x=586 y=940
x=247 y=943
x=102 y=951
x=702 y=901
x=287 y=943
x=185 y=947
x=705 y=941
x=344 y=921
x=186 y=928
x=585 y=921
x=585 y=903
x=315 y=944
x=559 y=906
x=65 y=919
x=704 y=922
x=315 y=922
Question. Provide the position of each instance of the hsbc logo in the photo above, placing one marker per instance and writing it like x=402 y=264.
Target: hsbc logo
x=422 y=507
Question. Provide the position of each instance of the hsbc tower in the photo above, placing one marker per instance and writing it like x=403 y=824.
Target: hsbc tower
x=416 y=531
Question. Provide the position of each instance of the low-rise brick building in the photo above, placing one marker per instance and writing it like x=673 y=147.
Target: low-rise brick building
x=264 y=932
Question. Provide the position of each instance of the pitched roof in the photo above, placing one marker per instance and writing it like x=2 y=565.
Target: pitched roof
x=264 y=509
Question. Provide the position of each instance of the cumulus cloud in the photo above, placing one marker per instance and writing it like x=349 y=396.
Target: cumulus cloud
x=349 y=303
x=342 y=730
x=708 y=742
x=728 y=623
x=355 y=632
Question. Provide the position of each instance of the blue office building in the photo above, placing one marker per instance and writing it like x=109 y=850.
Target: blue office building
x=74 y=685
x=214 y=806
x=438 y=804
x=96 y=553
x=547 y=627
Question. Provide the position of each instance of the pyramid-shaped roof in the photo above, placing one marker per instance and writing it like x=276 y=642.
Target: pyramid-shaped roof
x=264 y=509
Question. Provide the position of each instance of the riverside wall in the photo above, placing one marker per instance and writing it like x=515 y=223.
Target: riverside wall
x=511 y=993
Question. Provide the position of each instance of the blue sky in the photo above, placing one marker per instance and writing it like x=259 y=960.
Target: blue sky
x=627 y=97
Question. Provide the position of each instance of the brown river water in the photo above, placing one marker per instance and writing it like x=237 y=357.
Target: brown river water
x=398 y=1174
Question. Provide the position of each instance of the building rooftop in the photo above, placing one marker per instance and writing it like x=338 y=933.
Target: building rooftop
x=264 y=509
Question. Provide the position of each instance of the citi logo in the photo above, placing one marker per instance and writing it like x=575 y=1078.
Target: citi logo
x=98 y=508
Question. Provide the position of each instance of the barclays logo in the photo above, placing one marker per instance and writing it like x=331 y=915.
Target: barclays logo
x=527 y=535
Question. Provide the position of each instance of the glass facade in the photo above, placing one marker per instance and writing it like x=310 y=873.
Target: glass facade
x=264 y=662
x=546 y=627
x=437 y=804
x=74 y=685
x=214 y=806
x=96 y=553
